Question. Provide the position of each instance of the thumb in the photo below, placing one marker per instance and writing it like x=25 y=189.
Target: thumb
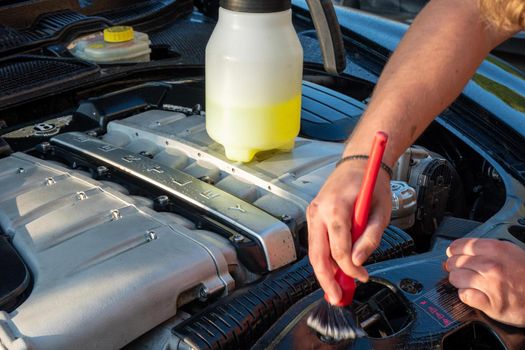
x=370 y=239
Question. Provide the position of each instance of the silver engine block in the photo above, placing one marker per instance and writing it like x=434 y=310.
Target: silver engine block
x=108 y=268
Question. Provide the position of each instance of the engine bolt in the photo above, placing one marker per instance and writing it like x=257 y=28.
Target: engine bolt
x=162 y=201
x=151 y=236
x=92 y=133
x=81 y=196
x=237 y=238
x=197 y=109
x=203 y=293
x=521 y=221
x=102 y=171
x=410 y=286
x=494 y=174
x=286 y=218
x=50 y=181
x=44 y=147
x=115 y=215
x=146 y=154
x=20 y=171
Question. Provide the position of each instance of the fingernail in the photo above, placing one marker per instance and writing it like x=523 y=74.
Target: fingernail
x=334 y=299
x=449 y=254
x=360 y=259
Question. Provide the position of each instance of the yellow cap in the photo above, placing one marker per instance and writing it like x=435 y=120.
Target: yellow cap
x=118 y=34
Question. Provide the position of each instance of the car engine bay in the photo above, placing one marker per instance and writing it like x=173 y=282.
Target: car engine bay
x=141 y=219
x=123 y=225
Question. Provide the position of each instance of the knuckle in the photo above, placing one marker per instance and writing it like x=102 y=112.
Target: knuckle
x=335 y=210
x=374 y=240
x=336 y=227
x=453 y=277
x=321 y=270
x=385 y=218
x=493 y=245
x=494 y=267
x=452 y=262
x=498 y=307
x=340 y=254
x=503 y=248
x=312 y=208
x=315 y=257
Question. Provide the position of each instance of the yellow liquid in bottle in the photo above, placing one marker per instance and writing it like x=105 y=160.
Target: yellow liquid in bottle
x=244 y=131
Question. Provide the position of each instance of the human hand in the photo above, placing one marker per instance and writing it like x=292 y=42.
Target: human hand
x=489 y=275
x=329 y=218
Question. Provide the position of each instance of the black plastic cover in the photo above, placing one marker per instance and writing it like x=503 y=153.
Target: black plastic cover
x=22 y=75
x=436 y=315
x=237 y=321
x=256 y=6
x=14 y=276
x=328 y=115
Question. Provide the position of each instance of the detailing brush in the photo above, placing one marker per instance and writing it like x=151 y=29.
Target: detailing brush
x=337 y=322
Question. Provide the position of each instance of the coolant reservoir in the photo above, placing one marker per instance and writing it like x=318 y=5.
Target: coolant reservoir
x=114 y=45
x=253 y=78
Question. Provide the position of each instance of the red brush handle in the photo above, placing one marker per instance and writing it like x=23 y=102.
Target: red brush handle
x=361 y=211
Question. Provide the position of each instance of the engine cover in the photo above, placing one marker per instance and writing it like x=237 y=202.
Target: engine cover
x=105 y=268
x=279 y=183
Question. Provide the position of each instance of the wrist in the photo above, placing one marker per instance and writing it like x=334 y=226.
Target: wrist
x=363 y=146
x=365 y=158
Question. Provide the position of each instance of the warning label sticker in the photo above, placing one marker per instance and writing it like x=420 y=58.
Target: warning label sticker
x=443 y=305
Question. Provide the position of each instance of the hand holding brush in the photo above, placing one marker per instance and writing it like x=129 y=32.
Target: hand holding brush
x=337 y=321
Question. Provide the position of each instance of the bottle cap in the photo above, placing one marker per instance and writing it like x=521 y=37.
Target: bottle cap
x=118 y=34
x=256 y=6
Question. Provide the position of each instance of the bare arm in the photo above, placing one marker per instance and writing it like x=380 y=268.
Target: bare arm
x=439 y=54
x=441 y=51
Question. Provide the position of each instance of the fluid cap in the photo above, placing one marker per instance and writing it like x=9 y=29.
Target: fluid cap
x=256 y=6
x=118 y=34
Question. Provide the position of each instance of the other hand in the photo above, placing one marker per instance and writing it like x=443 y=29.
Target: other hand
x=490 y=277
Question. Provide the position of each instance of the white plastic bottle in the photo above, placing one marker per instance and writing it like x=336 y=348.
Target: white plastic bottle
x=254 y=63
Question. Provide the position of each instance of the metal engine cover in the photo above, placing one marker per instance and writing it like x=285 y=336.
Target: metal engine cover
x=105 y=268
x=280 y=183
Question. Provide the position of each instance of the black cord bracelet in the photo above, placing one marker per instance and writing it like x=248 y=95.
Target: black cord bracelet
x=385 y=167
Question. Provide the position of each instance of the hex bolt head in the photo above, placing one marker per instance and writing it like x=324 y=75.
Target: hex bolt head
x=286 y=218
x=102 y=171
x=197 y=109
x=237 y=238
x=151 y=236
x=50 y=181
x=115 y=215
x=20 y=171
x=410 y=286
x=162 y=201
x=81 y=195
x=203 y=293
x=44 y=147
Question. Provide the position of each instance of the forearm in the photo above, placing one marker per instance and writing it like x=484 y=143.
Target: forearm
x=433 y=62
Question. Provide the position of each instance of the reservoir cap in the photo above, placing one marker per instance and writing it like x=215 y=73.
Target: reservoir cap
x=256 y=6
x=118 y=34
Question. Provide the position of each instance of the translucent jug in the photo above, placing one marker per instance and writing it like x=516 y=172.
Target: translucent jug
x=254 y=64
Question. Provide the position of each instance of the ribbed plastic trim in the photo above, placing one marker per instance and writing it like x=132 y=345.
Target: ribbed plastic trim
x=256 y=6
